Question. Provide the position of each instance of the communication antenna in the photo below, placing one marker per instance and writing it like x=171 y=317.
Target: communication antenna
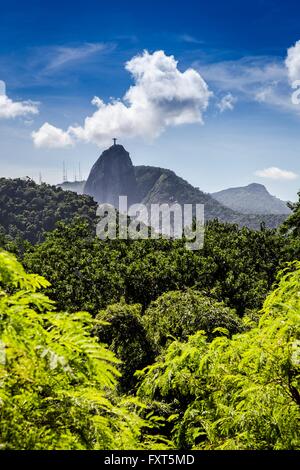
x=65 y=174
x=79 y=172
x=40 y=178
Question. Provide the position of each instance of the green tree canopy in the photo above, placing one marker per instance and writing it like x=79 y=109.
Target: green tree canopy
x=28 y=210
x=238 y=266
x=57 y=382
x=121 y=328
x=239 y=393
x=177 y=315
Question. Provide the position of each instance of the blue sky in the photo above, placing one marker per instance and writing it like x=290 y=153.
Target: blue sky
x=55 y=58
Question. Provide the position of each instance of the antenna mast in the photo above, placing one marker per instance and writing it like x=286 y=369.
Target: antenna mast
x=65 y=174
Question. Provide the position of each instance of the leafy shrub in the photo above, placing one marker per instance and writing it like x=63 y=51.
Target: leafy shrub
x=239 y=393
x=57 y=383
x=177 y=315
x=121 y=328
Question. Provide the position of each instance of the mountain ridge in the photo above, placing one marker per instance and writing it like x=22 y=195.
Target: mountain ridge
x=114 y=175
x=250 y=198
x=174 y=189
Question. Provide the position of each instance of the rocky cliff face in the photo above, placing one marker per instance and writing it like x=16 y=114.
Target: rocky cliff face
x=112 y=176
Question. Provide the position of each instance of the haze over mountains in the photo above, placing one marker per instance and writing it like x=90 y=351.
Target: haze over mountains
x=250 y=199
x=114 y=175
x=74 y=186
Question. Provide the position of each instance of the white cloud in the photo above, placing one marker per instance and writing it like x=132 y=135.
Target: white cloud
x=264 y=79
x=244 y=75
x=276 y=96
x=226 y=103
x=275 y=173
x=2 y=88
x=190 y=39
x=292 y=62
x=263 y=95
x=52 y=137
x=11 y=109
x=161 y=96
x=61 y=56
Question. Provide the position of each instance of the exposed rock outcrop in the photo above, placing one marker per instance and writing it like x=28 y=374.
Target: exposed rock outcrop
x=112 y=176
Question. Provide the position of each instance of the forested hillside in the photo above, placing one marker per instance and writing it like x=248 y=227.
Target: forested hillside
x=159 y=185
x=171 y=348
x=28 y=210
x=236 y=265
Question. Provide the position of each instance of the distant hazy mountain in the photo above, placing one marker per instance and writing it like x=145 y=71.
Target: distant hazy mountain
x=251 y=199
x=159 y=185
x=114 y=175
x=75 y=186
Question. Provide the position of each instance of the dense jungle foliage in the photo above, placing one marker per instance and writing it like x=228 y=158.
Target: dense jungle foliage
x=28 y=210
x=145 y=344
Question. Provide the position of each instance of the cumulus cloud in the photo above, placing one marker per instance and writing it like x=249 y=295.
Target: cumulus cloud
x=275 y=173
x=11 y=109
x=292 y=62
x=226 y=103
x=51 y=137
x=161 y=96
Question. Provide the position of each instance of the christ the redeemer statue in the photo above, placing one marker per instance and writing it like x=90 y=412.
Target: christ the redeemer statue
x=115 y=141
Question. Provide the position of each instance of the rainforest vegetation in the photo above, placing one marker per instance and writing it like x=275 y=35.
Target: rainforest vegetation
x=144 y=344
